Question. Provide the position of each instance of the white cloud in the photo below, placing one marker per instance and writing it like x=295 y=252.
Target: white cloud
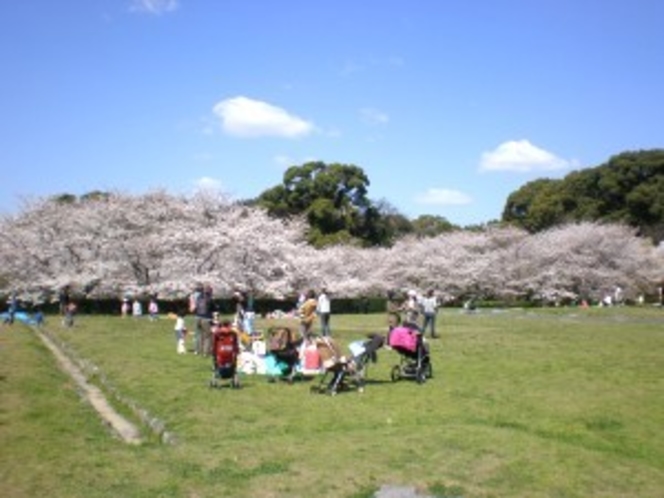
x=283 y=160
x=156 y=7
x=443 y=197
x=244 y=117
x=374 y=116
x=207 y=184
x=521 y=156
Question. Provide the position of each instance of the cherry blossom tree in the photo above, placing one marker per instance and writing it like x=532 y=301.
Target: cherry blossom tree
x=163 y=244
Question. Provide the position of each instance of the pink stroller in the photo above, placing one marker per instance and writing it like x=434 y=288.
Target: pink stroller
x=415 y=361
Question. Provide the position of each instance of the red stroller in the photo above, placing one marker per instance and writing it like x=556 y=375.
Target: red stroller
x=225 y=350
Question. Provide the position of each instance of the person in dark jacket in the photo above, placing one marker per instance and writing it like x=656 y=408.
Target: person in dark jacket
x=203 y=314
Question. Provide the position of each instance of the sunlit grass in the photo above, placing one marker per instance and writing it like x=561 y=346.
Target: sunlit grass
x=563 y=402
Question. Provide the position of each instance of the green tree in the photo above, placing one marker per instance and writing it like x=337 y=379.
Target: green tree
x=534 y=205
x=333 y=199
x=428 y=225
x=629 y=189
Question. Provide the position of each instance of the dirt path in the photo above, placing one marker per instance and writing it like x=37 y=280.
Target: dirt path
x=127 y=431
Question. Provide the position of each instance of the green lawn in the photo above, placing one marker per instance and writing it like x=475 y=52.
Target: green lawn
x=544 y=403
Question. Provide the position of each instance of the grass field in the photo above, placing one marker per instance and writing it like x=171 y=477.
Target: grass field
x=546 y=403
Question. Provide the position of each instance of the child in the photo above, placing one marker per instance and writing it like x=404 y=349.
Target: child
x=70 y=311
x=153 y=309
x=180 y=333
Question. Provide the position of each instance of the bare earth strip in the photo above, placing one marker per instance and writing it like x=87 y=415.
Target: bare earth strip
x=127 y=431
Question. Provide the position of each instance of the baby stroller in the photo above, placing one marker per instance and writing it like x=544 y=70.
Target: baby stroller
x=413 y=352
x=283 y=355
x=339 y=368
x=225 y=350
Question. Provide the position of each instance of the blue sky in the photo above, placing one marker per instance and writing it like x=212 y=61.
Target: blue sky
x=448 y=106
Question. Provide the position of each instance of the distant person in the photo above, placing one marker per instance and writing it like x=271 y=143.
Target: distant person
x=393 y=308
x=429 y=305
x=38 y=317
x=12 y=308
x=70 y=312
x=240 y=312
x=124 y=308
x=180 y=333
x=153 y=309
x=307 y=313
x=411 y=309
x=203 y=313
x=323 y=308
x=136 y=309
x=63 y=299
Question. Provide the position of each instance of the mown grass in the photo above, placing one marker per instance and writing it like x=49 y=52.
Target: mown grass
x=547 y=403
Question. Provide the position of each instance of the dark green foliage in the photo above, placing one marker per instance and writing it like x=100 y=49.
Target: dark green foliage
x=428 y=225
x=629 y=189
x=333 y=199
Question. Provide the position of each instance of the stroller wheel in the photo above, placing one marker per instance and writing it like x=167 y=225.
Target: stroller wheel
x=421 y=376
x=428 y=371
x=396 y=373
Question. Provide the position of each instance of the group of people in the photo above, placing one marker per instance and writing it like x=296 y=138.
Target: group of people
x=417 y=310
x=310 y=306
x=135 y=308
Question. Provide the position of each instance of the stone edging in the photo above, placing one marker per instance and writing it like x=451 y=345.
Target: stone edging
x=81 y=371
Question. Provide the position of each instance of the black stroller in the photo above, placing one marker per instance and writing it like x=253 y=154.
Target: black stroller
x=415 y=362
x=338 y=368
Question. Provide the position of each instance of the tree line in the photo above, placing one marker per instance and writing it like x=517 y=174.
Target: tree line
x=158 y=243
x=628 y=189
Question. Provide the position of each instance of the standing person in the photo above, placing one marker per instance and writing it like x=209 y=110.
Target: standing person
x=124 y=308
x=411 y=307
x=249 y=315
x=12 y=309
x=239 y=317
x=308 y=314
x=136 y=308
x=180 y=333
x=300 y=300
x=430 y=308
x=63 y=298
x=70 y=311
x=39 y=317
x=393 y=308
x=203 y=311
x=153 y=309
x=323 y=308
